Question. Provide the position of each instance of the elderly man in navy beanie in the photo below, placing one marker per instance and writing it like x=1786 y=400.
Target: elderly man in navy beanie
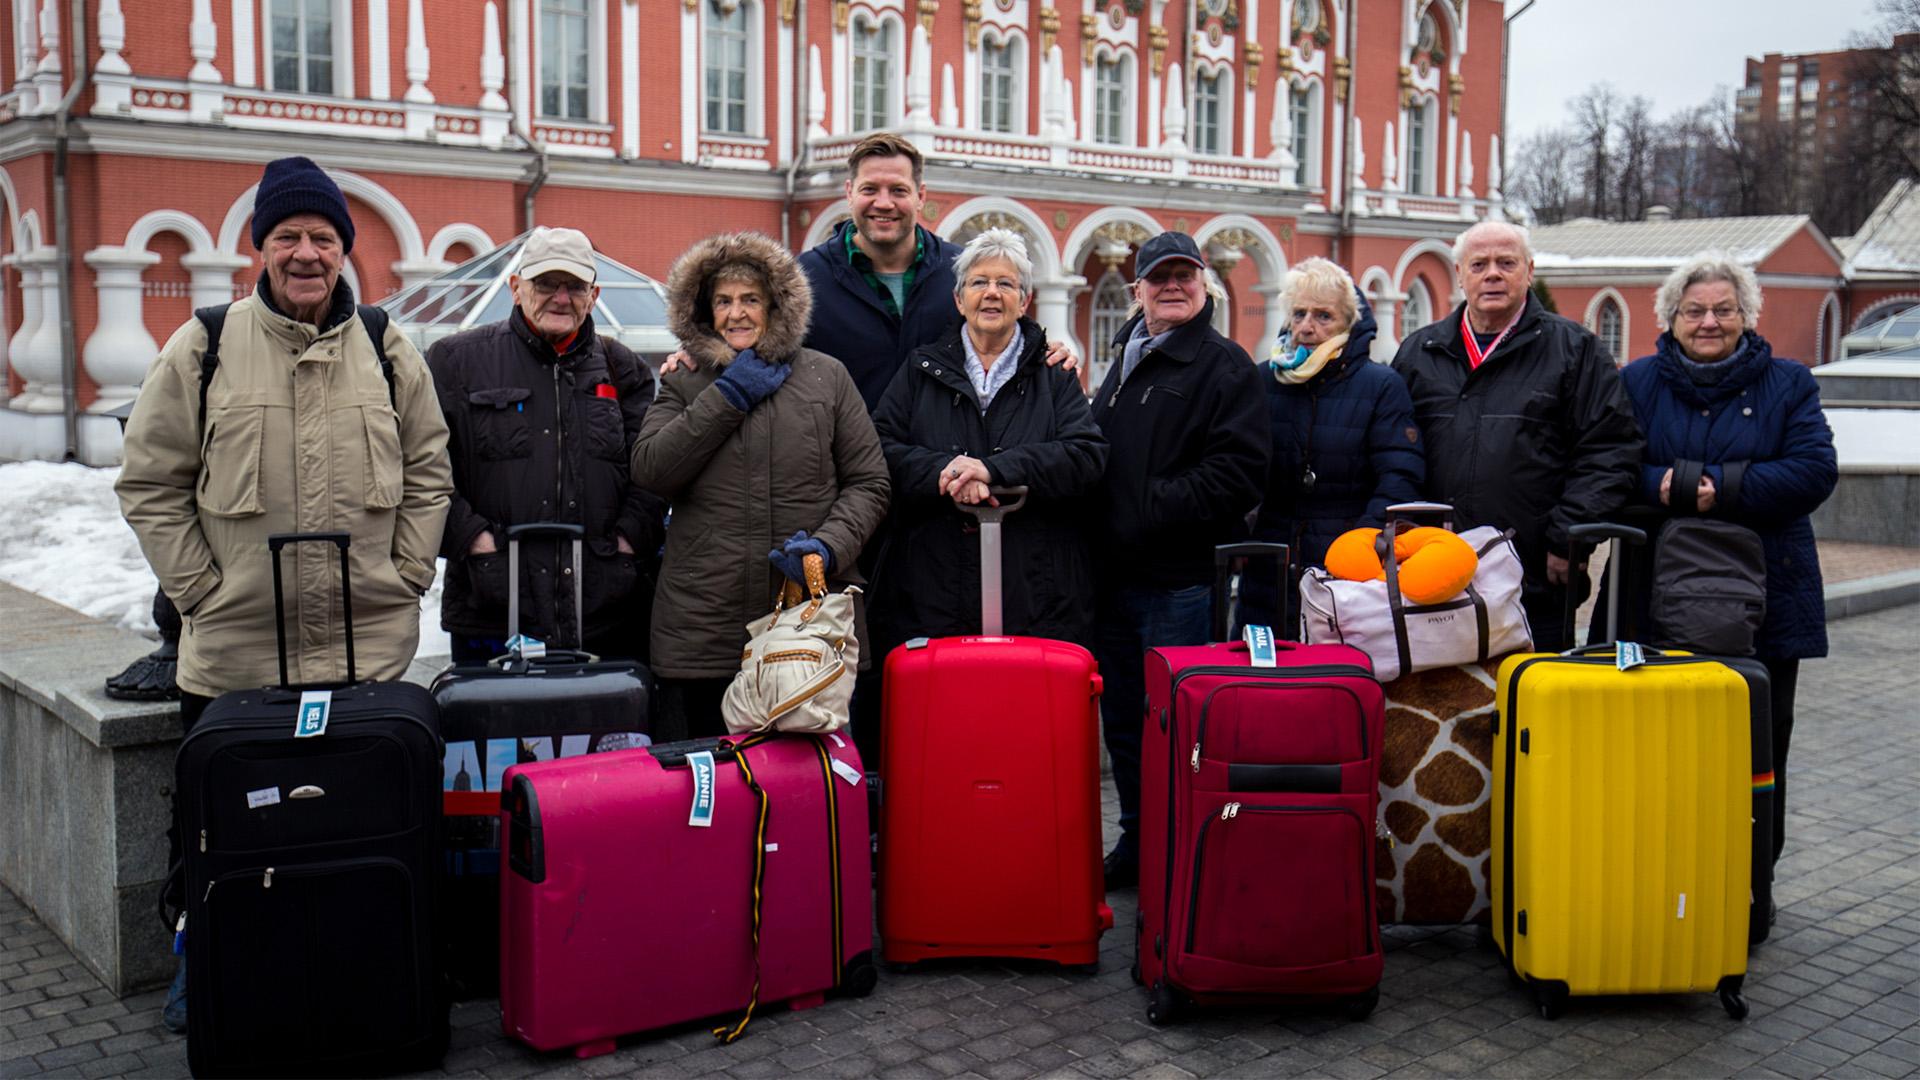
x=291 y=411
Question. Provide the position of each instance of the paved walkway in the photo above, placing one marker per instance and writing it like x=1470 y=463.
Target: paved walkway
x=1835 y=992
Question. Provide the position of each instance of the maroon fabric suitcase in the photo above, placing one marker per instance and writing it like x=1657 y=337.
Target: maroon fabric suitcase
x=646 y=888
x=1258 y=792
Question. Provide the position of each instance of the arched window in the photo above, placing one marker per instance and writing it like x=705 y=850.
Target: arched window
x=1417 y=311
x=302 y=45
x=727 y=73
x=1420 y=160
x=1209 y=112
x=1610 y=326
x=1304 y=104
x=1000 y=85
x=1110 y=301
x=566 y=79
x=1112 y=84
x=873 y=79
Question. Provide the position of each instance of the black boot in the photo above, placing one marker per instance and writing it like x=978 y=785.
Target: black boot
x=149 y=678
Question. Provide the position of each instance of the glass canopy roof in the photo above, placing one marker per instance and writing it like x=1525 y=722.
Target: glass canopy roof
x=632 y=307
x=1896 y=332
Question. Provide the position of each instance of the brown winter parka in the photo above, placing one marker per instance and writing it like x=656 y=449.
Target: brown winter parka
x=741 y=483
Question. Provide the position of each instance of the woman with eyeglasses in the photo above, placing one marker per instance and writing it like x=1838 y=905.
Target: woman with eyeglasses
x=1345 y=445
x=976 y=410
x=1714 y=393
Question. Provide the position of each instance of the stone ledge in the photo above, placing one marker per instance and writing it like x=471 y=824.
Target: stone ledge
x=1858 y=597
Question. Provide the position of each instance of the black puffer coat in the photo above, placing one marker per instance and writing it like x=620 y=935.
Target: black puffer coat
x=536 y=436
x=1037 y=432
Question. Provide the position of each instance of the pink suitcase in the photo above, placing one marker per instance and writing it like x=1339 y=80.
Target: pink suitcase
x=618 y=914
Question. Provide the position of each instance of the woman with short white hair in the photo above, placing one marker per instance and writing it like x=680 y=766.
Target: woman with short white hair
x=1345 y=446
x=1713 y=399
x=975 y=410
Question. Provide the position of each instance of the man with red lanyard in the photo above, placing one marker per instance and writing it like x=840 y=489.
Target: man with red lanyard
x=1528 y=426
x=542 y=413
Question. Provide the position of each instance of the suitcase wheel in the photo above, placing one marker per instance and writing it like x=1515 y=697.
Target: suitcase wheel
x=1138 y=979
x=1163 y=1005
x=860 y=976
x=1083 y=969
x=1550 y=999
x=1361 y=1006
x=1731 y=998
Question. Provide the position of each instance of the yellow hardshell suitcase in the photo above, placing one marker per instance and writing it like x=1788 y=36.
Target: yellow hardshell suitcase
x=1622 y=807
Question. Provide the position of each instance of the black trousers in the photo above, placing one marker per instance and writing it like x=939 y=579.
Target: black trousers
x=1785 y=678
x=689 y=709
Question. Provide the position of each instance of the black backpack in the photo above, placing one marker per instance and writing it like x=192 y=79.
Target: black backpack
x=1709 y=574
x=214 y=318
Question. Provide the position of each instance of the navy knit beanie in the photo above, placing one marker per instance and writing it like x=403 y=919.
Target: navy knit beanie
x=295 y=185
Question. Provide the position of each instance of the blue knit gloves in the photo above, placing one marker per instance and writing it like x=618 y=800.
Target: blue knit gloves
x=789 y=556
x=749 y=380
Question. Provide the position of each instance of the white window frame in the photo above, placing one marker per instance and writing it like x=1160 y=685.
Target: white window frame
x=1015 y=46
x=1427 y=143
x=1304 y=97
x=1606 y=300
x=1221 y=77
x=1129 y=127
x=896 y=69
x=1112 y=292
x=342 y=50
x=748 y=12
x=596 y=64
x=1419 y=300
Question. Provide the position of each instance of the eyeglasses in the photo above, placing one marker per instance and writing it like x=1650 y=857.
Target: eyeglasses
x=1694 y=313
x=1303 y=314
x=980 y=284
x=544 y=287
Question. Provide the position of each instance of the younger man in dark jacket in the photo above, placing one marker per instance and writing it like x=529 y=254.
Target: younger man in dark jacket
x=1185 y=417
x=543 y=413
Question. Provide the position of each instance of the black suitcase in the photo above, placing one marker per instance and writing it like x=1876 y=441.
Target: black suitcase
x=512 y=710
x=311 y=876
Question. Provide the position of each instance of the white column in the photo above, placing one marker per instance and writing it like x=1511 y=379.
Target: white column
x=1465 y=158
x=630 y=81
x=1359 y=168
x=29 y=307
x=920 y=80
x=949 y=99
x=46 y=75
x=379 y=52
x=204 y=99
x=690 y=103
x=37 y=359
x=212 y=276
x=494 y=119
x=816 y=95
x=245 y=49
x=1389 y=172
x=418 y=99
x=1493 y=169
x=522 y=25
x=1281 y=130
x=120 y=350
x=1053 y=310
x=1173 y=120
x=26 y=54
x=112 y=78
x=784 y=60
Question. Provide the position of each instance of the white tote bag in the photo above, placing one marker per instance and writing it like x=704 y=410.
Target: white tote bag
x=1484 y=621
x=798 y=668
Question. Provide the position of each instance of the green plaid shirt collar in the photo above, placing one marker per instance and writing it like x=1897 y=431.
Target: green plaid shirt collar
x=864 y=264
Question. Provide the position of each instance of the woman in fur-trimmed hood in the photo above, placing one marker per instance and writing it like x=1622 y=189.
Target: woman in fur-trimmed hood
x=764 y=449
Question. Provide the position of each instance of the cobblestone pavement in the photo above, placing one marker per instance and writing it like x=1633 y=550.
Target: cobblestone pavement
x=1836 y=991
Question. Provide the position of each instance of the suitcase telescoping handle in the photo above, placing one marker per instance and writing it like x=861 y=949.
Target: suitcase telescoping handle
x=338 y=539
x=1223 y=556
x=1594 y=533
x=544 y=528
x=992 y=577
x=1439 y=515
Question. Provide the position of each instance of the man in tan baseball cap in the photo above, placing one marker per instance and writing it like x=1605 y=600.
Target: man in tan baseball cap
x=542 y=414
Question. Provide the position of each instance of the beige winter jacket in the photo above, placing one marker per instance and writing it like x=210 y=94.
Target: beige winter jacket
x=742 y=483
x=299 y=436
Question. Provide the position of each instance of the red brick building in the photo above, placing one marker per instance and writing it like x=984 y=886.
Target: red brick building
x=1365 y=130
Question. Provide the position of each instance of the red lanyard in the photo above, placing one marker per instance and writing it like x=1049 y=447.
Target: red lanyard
x=1475 y=355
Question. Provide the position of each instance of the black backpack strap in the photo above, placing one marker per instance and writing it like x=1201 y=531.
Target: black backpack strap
x=214 y=318
x=1731 y=475
x=375 y=320
x=1683 y=493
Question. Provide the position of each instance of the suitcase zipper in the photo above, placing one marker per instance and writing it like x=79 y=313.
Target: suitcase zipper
x=1206 y=706
x=1231 y=812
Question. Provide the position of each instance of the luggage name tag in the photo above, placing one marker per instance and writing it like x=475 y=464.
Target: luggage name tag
x=268 y=796
x=1260 y=650
x=704 y=774
x=846 y=772
x=311 y=720
x=1626 y=655
x=526 y=648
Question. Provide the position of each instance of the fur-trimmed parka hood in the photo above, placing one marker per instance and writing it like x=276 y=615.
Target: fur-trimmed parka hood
x=690 y=291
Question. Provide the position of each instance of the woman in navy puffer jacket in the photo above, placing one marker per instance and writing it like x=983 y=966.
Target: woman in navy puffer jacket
x=1345 y=445
x=1713 y=392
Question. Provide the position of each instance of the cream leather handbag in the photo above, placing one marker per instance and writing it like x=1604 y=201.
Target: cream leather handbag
x=798 y=669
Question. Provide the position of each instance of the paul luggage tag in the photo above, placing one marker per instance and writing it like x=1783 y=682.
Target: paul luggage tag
x=701 y=765
x=312 y=718
x=1626 y=655
x=1260 y=649
x=526 y=648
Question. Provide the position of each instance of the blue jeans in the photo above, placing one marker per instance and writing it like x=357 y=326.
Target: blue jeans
x=1130 y=621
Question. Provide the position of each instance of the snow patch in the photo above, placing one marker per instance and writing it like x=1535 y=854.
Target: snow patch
x=63 y=538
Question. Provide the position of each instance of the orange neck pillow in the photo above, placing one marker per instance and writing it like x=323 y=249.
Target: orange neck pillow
x=1434 y=565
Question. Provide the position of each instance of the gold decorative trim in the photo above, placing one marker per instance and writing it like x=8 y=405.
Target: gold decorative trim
x=1456 y=86
x=1049 y=29
x=1406 y=87
x=787 y=11
x=1254 y=55
x=1157 y=49
x=842 y=11
x=1342 y=76
x=929 y=9
x=970 y=13
x=1283 y=62
x=1089 y=37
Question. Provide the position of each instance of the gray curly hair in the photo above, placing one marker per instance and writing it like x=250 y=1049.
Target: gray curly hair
x=1705 y=267
x=994 y=244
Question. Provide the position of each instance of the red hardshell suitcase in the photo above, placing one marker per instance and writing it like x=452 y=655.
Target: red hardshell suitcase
x=983 y=851
x=1259 y=788
x=619 y=914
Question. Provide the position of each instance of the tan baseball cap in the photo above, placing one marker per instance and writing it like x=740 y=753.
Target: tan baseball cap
x=566 y=250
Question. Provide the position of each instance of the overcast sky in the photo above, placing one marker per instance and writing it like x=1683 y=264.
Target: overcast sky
x=1673 y=51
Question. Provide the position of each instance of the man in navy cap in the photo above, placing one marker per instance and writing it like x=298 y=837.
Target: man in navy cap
x=1185 y=417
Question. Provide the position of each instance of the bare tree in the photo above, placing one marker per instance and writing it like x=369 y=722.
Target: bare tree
x=1593 y=113
x=1636 y=154
x=1542 y=178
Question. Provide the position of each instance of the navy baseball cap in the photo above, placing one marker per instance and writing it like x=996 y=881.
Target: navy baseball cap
x=1168 y=245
